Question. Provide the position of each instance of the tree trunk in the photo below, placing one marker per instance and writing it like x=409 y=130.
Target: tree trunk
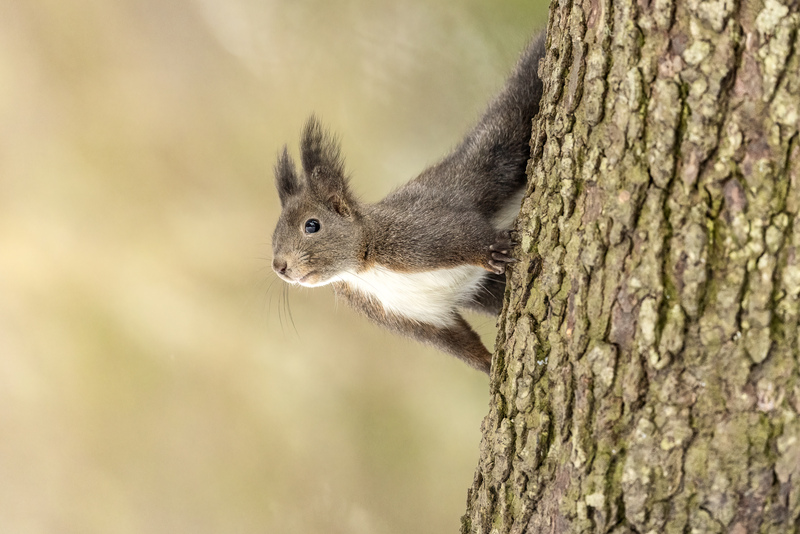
x=647 y=375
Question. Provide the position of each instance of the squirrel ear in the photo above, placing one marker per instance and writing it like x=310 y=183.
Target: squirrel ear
x=286 y=177
x=320 y=149
x=333 y=191
x=324 y=168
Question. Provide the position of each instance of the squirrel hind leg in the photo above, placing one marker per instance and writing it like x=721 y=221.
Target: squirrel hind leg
x=463 y=342
x=457 y=339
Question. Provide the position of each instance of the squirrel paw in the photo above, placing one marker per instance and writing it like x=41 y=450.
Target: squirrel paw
x=500 y=254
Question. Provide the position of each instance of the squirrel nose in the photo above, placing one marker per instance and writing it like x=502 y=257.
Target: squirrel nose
x=279 y=266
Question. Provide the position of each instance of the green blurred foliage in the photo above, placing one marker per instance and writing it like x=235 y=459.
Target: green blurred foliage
x=154 y=375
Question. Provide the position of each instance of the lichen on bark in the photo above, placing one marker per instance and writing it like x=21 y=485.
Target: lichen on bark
x=647 y=370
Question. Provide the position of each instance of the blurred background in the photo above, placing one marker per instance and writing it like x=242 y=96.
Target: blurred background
x=155 y=376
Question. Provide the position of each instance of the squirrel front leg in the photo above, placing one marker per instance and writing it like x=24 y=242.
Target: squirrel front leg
x=406 y=244
x=495 y=256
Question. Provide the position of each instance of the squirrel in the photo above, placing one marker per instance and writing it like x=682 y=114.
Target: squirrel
x=438 y=244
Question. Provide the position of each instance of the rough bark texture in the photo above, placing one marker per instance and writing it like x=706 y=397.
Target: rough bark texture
x=647 y=375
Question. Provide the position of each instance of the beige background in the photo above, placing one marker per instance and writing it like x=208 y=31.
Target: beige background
x=152 y=376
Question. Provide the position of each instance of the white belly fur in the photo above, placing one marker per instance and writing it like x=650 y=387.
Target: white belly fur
x=427 y=297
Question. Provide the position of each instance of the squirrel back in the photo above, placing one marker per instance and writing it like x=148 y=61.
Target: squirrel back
x=437 y=244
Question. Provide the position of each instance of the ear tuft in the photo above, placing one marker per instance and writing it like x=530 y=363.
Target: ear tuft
x=324 y=168
x=286 y=176
x=318 y=148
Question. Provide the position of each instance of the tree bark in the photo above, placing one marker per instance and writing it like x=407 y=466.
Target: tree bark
x=647 y=370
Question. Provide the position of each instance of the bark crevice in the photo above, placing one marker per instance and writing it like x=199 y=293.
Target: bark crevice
x=647 y=376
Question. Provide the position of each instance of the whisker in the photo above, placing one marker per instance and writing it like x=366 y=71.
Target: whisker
x=286 y=310
x=281 y=299
x=482 y=285
x=269 y=293
x=289 y=310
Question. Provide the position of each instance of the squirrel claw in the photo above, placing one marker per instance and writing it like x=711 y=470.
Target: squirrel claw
x=498 y=266
x=503 y=257
x=499 y=262
x=500 y=254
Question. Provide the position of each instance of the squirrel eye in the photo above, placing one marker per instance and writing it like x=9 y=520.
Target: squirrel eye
x=312 y=226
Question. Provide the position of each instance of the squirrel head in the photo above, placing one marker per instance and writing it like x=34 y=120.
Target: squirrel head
x=320 y=233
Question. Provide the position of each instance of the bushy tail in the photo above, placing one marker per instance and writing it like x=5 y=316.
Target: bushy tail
x=519 y=99
x=497 y=150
